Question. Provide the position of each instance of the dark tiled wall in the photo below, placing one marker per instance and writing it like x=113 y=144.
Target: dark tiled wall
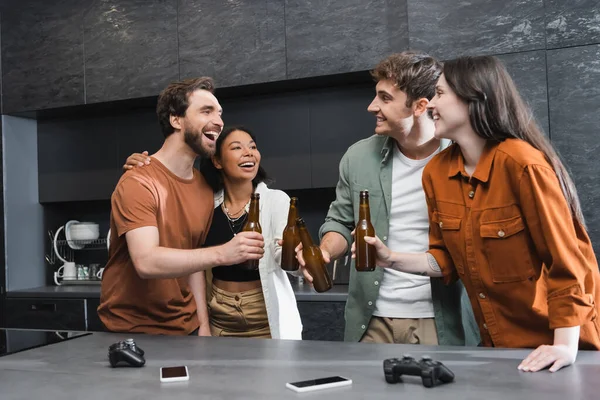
x=130 y=48
x=42 y=54
x=476 y=27
x=574 y=93
x=238 y=43
x=327 y=37
x=69 y=52
x=2 y=249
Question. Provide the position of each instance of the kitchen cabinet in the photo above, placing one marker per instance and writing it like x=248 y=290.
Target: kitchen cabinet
x=301 y=136
x=42 y=54
x=281 y=125
x=338 y=119
x=93 y=321
x=322 y=320
x=476 y=27
x=330 y=37
x=77 y=159
x=130 y=49
x=44 y=313
x=236 y=42
x=137 y=131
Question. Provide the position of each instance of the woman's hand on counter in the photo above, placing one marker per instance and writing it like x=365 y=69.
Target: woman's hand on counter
x=561 y=354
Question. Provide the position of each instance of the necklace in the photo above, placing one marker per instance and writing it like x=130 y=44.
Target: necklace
x=229 y=215
x=235 y=225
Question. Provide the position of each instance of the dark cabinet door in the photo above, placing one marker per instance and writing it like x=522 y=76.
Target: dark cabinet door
x=338 y=119
x=322 y=320
x=3 y=344
x=42 y=54
x=47 y=314
x=137 y=131
x=281 y=126
x=130 y=48
x=77 y=159
x=329 y=37
x=236 y=42
x=93 y=321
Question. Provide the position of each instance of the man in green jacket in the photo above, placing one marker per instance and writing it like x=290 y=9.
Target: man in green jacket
x=385 y=305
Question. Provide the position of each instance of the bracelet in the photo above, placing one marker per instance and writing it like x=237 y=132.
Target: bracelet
x=433 y=264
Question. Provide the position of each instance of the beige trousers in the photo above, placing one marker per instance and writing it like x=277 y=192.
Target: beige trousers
x=241 y=314
x=401 y=331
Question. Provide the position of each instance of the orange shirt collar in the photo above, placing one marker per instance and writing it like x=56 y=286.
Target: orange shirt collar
x=484 y=166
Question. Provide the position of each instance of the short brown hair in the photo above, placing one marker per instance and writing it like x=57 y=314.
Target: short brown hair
x=173 y=100
x=415 y=73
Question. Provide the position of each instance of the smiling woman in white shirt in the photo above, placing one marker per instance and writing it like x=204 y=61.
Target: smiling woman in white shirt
x=241 y=302
x=259 y=303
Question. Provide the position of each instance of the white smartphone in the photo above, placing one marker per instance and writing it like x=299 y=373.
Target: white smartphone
x=174 y=374
x=319 y=383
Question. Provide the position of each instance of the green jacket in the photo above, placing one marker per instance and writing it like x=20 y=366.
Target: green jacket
x=367 y=165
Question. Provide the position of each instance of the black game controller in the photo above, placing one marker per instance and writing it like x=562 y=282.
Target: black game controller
x=126 y=351
x=431 y=372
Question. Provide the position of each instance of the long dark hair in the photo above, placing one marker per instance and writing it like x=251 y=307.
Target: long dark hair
x=213 y=175
x=497 y=112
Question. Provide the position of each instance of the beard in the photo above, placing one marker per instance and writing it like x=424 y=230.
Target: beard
x=194 y=140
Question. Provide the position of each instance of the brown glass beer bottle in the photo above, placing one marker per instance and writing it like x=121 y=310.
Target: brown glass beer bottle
x=313 y=258
x=253 y=225
x=291 y=239
x=365 y=253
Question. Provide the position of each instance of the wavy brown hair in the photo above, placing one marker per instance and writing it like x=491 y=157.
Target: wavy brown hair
x=174 y=100
x=413 y=72
x=497 y=112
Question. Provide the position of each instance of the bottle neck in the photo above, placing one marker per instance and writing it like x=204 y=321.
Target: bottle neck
x=305 y=237
x=363 y=210
x=293 y=214
x=253 y=213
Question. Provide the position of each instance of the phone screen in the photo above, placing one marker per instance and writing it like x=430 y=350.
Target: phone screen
x=320 y=381
x=173 y=372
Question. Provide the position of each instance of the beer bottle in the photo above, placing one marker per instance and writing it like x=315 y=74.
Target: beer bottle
x=365 y=253
x=291 y=239
x=253 y=225
x=313 y=259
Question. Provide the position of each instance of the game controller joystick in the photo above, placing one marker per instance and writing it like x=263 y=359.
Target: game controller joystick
x=431 y=372
x=126 y=351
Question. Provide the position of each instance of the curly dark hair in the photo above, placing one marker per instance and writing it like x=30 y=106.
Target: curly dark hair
x=214 y=176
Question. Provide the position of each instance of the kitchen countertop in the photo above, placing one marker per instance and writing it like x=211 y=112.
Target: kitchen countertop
x=234 y=368
x=304 y=292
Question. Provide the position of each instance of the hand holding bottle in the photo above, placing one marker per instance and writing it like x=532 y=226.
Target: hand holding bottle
x=383 y=254
x=307 y=275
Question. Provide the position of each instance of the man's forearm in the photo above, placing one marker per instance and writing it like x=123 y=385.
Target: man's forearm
x=335 y=244
x=163 y=262
x=416 y=263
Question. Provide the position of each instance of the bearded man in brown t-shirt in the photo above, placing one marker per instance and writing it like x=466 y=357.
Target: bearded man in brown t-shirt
x=159 y=218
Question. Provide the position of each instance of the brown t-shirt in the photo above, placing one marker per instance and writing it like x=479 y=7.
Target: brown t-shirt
x=182 y=211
